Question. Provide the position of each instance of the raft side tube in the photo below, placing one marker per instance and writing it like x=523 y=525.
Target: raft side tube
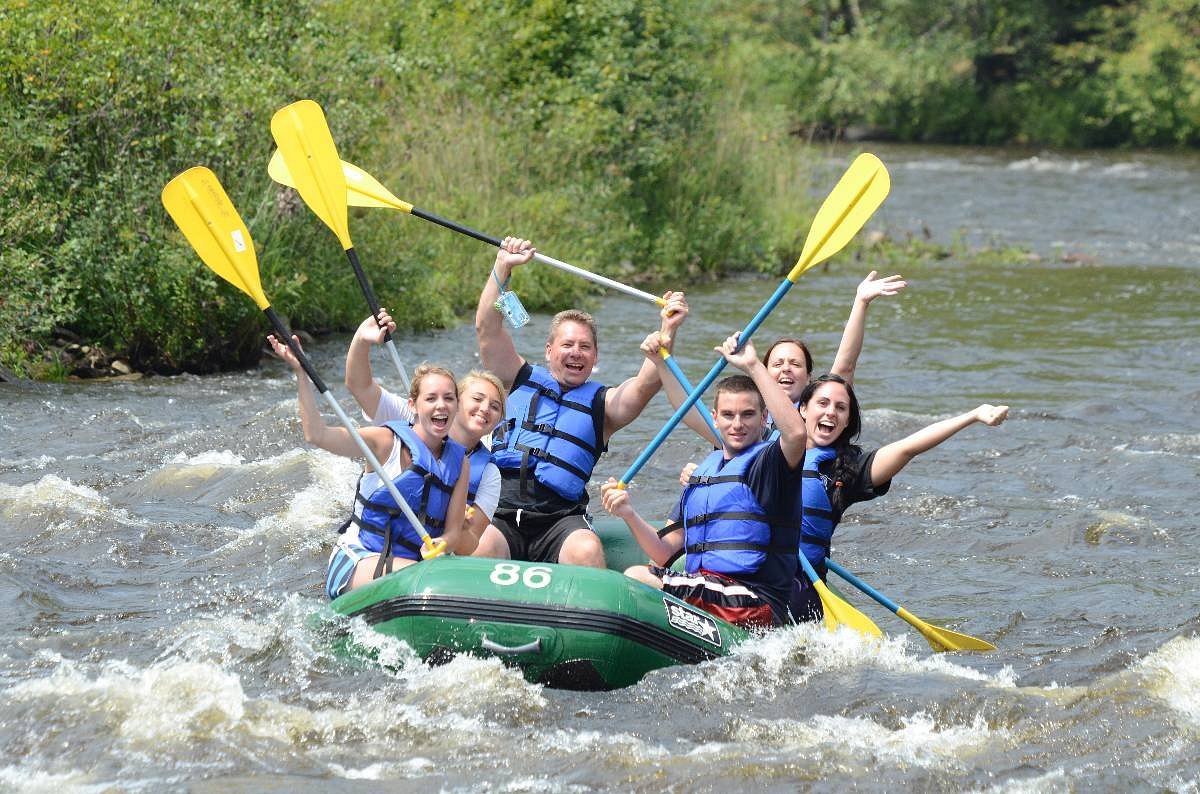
x=563 y=625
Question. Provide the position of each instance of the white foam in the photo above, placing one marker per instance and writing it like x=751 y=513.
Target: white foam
x=40 y=462
x=1053 y=782
x=918 y=741
x=211 y=457
x=1173 y=676
x=1039 y=164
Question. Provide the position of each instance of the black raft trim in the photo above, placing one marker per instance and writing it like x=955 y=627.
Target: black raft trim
x=557 y=617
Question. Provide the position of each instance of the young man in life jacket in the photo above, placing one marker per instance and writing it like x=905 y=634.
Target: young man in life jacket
x=740 y=511
x=557 y=425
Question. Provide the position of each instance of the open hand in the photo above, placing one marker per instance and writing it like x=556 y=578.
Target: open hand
x=871 y=287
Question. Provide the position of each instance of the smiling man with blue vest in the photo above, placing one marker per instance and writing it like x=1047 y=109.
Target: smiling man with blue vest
x=740 y=511
x=557 y=425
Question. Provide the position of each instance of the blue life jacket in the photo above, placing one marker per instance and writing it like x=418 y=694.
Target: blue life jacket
x=817 y=518
x=726 y=530
x=426 y=486
x=479 y=458
x=554 y=436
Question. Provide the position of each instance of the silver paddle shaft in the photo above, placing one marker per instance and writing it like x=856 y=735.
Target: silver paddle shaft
x=378 y=467
x=590 y=276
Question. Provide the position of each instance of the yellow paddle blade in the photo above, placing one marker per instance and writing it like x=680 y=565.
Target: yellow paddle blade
x=941 y=639
x=308 y=150
x=365 y=190
x=362 y=189
x=202 y=210
x=854 y=199
x=838 y=612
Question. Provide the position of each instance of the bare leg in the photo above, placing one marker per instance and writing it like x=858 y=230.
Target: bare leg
x=582 y=547
x=492 y=544
x=364 y=571
x=643 y=575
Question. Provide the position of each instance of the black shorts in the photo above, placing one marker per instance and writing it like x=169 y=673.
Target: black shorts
x=539 y=537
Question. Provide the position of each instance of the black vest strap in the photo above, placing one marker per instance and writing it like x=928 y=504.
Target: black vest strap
x=737 y=545
x=783 y=522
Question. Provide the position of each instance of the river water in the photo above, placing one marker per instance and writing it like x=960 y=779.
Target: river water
x=164 y=543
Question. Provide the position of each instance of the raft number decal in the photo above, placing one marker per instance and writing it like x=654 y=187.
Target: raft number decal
x=694 y=623
x=508 y=573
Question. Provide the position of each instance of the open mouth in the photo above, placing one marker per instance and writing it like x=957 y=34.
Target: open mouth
x=786 y=380
x=440 y=421
x=825 y=426
x=572 y=366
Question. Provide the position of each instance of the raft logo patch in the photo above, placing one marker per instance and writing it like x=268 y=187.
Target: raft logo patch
x=695 y=623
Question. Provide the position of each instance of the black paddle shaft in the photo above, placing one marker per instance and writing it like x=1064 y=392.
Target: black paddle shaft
x=283 y=333
x=455 y=227
x=368 y=293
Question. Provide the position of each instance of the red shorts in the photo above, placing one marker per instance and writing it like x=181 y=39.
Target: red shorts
x=719 y=595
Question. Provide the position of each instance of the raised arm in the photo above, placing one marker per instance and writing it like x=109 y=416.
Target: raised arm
x=496 y=349
x=851 y=345
x=675 y=394
x=792 y=434
x=890 y=459
x=626 y=402
x=330 y=438
x=616 y=501
x=359 y=378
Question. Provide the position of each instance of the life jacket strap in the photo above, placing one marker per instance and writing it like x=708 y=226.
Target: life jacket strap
x=550 y=430
x=737 y=545
x=711 y=479
x=783 y=522
x=816 y=540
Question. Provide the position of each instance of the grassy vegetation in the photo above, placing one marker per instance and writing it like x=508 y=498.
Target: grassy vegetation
x=651 y=141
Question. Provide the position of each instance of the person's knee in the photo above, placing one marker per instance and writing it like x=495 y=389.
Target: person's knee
x=492 y=544
x=582 y=547
x=642 y=574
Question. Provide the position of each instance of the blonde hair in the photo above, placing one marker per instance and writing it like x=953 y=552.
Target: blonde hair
x=424 y=369
x=573 y=316
x=488 y=377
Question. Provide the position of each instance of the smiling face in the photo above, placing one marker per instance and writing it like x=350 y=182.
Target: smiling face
x=740 y=416
x=571 y=353
x=480 y=407
x=827 y=413
x=788 y=365
x=435 y=406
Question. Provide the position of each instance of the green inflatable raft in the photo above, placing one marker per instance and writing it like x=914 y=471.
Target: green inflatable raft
x=563 y=625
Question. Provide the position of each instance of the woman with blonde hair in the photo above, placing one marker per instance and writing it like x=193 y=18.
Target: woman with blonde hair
x=426 y=465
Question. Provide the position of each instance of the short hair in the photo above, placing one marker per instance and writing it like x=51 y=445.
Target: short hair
x=790 y=341
x=739 y=384
x=423 y=370
x=489 y=377
x=573 y=316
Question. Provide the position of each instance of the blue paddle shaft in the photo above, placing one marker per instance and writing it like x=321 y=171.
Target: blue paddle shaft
x=808 y=569
x=701 y=387
x=861 y=585
x=683 y=381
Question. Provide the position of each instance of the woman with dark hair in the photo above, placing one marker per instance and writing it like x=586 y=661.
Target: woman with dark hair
x=789 y=362
x=837 y=473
